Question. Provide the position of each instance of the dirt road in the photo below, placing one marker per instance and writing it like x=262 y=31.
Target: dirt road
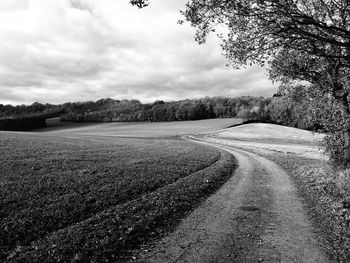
x=255 y=217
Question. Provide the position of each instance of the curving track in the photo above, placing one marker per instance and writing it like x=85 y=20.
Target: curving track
x=256 y=216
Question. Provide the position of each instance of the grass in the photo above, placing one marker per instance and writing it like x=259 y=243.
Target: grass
x=73 y=197
x=142 y=129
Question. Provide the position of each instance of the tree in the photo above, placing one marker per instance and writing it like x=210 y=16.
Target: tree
x=244 y=114
x=303 y=40
x=140 y=3
x=197 y=111
x=170 y=112
x=182 y=111
x=313 y=35
x=330 y=83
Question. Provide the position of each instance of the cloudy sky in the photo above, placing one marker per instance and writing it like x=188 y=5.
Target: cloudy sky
x=77 y=50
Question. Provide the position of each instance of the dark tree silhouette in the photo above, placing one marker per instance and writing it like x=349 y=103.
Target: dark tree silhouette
x=140 y=4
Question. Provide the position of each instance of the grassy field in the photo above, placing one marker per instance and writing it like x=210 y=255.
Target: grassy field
x=141 y=129
x=86 y=193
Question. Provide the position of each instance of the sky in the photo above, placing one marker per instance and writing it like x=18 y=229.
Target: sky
x=78 y=50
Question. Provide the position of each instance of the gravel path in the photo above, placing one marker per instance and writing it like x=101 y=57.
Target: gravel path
x=256 y=216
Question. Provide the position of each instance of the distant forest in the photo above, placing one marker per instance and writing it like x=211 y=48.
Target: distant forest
x=277 y=109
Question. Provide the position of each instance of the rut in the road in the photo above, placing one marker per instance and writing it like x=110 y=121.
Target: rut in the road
x=255 y=217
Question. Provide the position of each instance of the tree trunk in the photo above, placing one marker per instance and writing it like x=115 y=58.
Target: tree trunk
x=347 y=147
x=342 y=97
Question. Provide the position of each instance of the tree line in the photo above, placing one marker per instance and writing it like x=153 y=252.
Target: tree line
x=112 y=110
x=283 y=109
x=109 y=110
x=25 y=111
x=27 y=117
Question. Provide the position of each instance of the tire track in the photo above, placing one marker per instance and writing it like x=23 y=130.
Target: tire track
x=255 y=217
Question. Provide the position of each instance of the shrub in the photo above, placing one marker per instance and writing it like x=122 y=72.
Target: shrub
x=22 y=124
x=333 y=145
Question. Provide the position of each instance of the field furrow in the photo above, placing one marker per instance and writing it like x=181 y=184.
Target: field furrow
x=65 y=197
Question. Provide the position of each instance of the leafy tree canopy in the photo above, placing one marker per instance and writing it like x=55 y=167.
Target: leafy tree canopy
x=139 y=3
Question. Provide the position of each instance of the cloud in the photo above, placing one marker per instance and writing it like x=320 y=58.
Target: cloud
x=70 y=50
